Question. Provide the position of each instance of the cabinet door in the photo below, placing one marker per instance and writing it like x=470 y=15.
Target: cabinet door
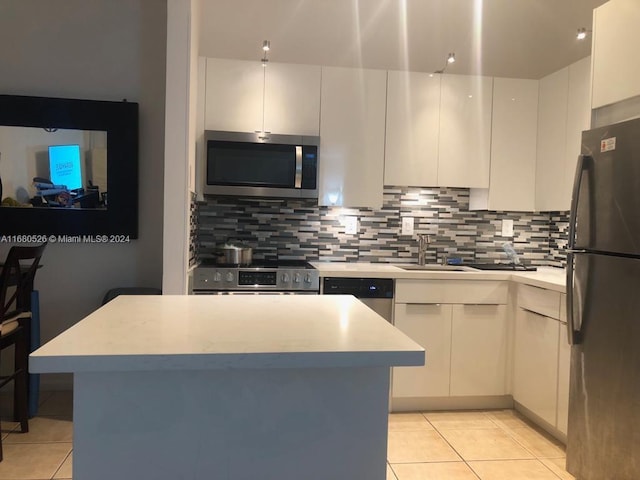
x=564 y=366
x=465 y=131
x=352 y=122
x=513 y=144
x=578 y=120
x=233 y=97
x=535 y=371
x=292 y=99
x=552 y=128
x=479 y=350
x=616 y=64
x=413 y=123
x=430 y=326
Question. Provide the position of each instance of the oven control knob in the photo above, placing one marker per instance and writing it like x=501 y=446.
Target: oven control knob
x=217 y=277
x=285 y=277
x=229 y=277
x=307 y=278
x=296 y=278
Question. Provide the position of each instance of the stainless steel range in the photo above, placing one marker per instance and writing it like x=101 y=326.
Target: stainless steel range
x=279 y=277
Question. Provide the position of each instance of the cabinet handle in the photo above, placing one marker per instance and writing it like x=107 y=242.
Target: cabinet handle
x=420 y=303
x=479 y=304
x=536 y=313
x=298 y=179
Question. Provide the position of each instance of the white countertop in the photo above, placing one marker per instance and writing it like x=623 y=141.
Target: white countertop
x=180 y=332
x=545 y=277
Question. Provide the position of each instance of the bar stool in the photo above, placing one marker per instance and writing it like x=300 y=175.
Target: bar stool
x=16 y=284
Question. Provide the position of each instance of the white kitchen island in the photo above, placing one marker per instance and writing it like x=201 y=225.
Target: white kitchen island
x=230 y=387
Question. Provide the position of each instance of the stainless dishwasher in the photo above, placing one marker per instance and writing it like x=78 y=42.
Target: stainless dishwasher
x=376 y=293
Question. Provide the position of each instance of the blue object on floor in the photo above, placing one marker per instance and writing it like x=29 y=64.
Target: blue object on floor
x=34 y=380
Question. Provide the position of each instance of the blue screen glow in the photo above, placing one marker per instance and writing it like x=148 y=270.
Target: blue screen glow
x=64 y=166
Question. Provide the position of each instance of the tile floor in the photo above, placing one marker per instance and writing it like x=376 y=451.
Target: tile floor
x=45 y=451
x=479 y=445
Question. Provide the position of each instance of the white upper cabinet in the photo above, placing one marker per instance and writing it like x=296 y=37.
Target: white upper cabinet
x=578 y=120
x=292 y=99
x=234 y=93
x=616 y=63
x=513 y=146
x=413 y=124
x=552 y=130
x=564 y=113
x=352 y=132
x=244 y=96
x=465 y=131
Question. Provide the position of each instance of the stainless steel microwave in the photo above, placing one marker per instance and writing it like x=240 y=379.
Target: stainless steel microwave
x=261 y=165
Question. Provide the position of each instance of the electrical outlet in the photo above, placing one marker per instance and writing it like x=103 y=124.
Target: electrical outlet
x=407 y=225
x=507 y=228
x=350 y=225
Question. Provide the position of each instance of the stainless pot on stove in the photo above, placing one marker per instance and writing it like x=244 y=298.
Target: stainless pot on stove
x=233 y=253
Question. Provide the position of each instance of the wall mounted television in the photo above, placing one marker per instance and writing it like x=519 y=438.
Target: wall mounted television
x=68 y=167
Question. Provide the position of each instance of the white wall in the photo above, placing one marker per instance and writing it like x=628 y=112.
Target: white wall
x=101 y=50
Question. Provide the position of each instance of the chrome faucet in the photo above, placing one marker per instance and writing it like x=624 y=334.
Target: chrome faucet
x=423 y=244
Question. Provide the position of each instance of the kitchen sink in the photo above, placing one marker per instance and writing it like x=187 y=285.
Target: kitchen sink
x=436 y=268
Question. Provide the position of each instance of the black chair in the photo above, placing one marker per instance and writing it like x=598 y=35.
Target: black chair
x=16 y=284
x=114 y=292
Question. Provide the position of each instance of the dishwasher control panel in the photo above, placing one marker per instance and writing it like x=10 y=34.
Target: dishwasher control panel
x=358 y=287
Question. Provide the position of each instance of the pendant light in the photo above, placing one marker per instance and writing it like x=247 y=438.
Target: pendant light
x=263 y=135
x=451 y=58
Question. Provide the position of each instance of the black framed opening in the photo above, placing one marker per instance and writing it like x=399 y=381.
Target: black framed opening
x=115 y=214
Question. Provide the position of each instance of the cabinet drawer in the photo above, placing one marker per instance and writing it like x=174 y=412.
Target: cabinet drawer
x=452 y=291
x=539 y=300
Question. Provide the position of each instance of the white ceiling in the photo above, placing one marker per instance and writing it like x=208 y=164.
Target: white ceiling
x=506 y=38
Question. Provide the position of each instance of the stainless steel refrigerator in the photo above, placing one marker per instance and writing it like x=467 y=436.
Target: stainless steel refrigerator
x=603 y=306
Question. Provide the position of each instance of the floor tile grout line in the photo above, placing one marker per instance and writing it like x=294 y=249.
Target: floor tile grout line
x=518 y=460
x=452 y=447
x=512 y=434
x=60 y=466
x=447 y=441
x=393 y=472
x=547 y=467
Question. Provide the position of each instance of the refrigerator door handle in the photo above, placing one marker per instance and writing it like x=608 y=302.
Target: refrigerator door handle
x=575 y=197
x=573 y=335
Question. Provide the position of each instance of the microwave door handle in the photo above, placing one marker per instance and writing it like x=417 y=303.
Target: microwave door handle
x=298 y=180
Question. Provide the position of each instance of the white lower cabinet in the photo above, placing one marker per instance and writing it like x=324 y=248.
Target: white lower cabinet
x=479 y=344
x=542 y=357
x=535 y=369
x=466 y=344
x=564 y=365
x=430 y=326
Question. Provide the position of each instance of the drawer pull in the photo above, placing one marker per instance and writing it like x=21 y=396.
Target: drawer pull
x=537 y=313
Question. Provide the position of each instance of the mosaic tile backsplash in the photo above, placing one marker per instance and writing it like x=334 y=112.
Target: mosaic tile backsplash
x=300 y=230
